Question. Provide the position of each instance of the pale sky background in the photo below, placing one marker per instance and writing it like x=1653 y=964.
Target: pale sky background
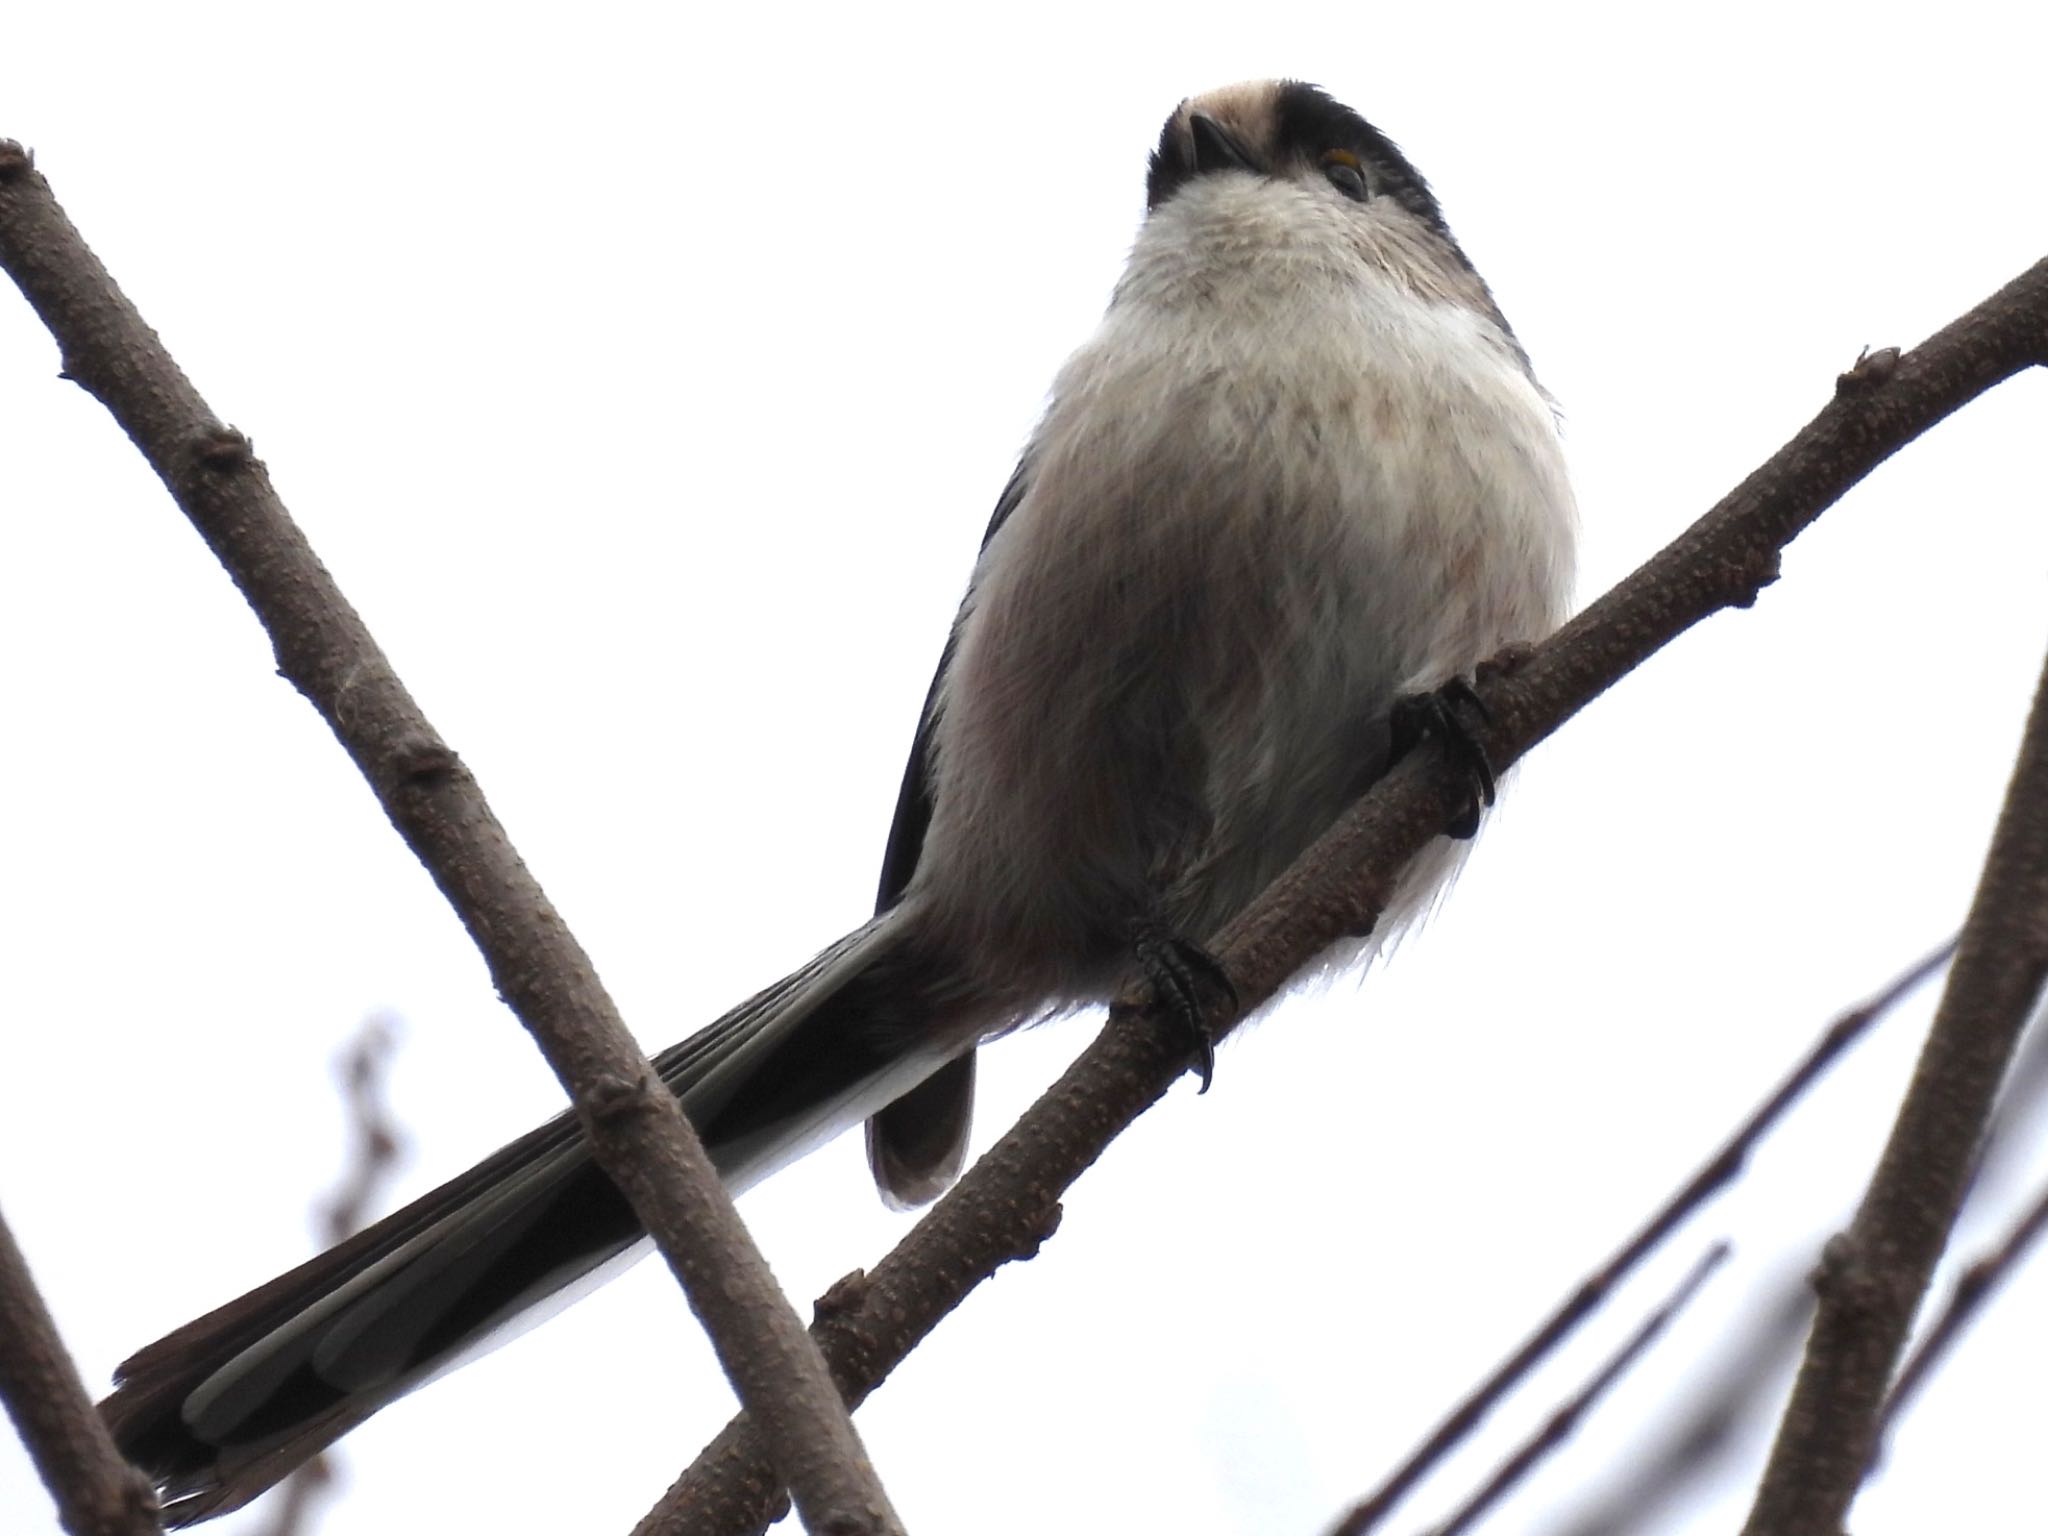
x=645 y=376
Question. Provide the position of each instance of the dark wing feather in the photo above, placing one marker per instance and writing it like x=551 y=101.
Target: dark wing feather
x=917 y=1143
x=914 y=799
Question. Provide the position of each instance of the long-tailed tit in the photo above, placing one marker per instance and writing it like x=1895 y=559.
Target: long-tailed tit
x=1301 y=472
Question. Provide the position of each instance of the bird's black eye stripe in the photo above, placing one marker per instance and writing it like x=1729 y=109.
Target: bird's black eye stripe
x=1343 y=170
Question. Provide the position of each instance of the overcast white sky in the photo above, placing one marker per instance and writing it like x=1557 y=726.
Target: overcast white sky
x=646 y=374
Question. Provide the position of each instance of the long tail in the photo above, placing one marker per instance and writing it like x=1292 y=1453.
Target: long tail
x=229 y=1404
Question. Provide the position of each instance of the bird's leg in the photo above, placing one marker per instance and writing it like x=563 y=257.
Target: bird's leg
x=1180 y=972
x=1436 y=713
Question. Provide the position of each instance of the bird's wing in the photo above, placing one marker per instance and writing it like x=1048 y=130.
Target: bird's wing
x=914 y=799
x=916 y=1143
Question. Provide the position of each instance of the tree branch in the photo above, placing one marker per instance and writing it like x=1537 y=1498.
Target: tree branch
x=1728 y=1161
x=1008 y=1202
x=1698 y=1434
x=1564 y=1422
x=97 y=1493
x=1976 y=1285
x=1872 y=1277
x=636 y=1129
x=376 y=1144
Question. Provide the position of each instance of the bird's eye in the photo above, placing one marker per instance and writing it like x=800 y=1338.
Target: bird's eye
x=1345 y=174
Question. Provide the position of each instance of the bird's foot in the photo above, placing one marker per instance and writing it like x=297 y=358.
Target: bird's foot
x=1181 y=972
x=1437 y=713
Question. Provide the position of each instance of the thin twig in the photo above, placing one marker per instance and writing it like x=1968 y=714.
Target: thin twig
x=376 y=1140
x=1699 y=1432
x=1008 y=1202
x=2015 y=1129
x=1977 y=1283
x=1561 y=1425
x=1717 y=1171
x=636 y=1129
x=375 y=1143
x=1872 y=1277
x=96 y=1492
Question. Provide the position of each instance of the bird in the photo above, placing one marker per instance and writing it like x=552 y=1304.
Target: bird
x=1301 y=476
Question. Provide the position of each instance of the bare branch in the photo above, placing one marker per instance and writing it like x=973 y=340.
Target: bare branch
x=291 y=1508
x=2015 y=1125
x=97 y=1493
x=636 y=1129
x=1561 y=1424
x=1008 y=1202
x=1700 y=1432
x=375 y=1138
x=1872 y=1277
x=375 y=1141
x=1974 y=1286
x=1718 y=1171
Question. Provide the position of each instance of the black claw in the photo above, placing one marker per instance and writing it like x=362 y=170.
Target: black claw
x=1179 y=969
x=1436 y=714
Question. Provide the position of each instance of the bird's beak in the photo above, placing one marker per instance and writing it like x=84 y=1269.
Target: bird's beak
x=1216 y=147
